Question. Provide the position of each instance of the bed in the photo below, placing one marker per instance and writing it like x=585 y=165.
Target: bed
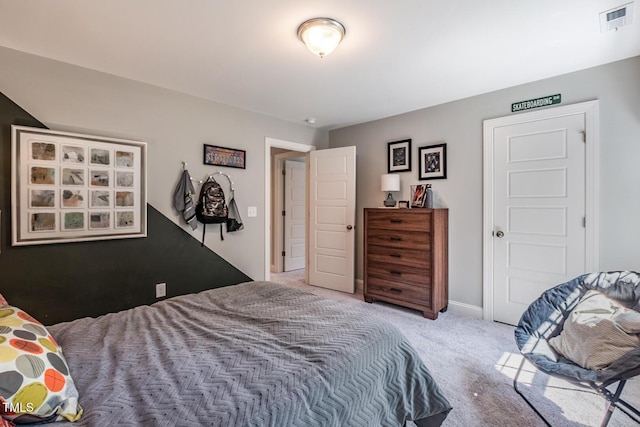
x=252 y=354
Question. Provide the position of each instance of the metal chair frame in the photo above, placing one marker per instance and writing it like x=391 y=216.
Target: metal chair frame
x=614 y=399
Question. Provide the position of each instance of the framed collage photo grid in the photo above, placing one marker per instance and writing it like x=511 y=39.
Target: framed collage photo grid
x=70 y=187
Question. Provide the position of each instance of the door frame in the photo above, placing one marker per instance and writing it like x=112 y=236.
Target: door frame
x=268 y=144
x=277 y=246
x=592 y=179
x=290 y=204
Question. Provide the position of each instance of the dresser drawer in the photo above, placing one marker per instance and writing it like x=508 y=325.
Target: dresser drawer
x=416 y=276
x=400 y=291
x=398 y=239
x=400 y=256
x=394 y=220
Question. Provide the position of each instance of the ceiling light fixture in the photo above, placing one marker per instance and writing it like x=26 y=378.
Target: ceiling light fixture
x=321 y=35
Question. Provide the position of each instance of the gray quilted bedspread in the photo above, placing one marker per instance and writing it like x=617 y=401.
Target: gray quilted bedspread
x=253 y=354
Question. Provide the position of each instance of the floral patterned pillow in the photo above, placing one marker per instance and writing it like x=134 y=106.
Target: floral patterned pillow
x=35 y=382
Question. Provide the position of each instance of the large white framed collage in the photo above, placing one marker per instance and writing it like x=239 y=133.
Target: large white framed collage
x=69 y=187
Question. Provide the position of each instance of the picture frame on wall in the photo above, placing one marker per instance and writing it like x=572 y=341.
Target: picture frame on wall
x=223 y=156
x=432 y=162
x=69 y=187
x=399 y=156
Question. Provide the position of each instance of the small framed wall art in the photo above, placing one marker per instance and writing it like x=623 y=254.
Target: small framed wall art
x=222 y=156
x=69 y=187
x=399 y=156
x=433 y=162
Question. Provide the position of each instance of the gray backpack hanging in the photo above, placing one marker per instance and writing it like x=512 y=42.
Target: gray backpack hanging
x=211 y=207
x=234 y=222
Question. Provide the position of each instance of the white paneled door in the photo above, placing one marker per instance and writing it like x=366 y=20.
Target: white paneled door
x=538 y=236
x=294 y=215
x=332 y=187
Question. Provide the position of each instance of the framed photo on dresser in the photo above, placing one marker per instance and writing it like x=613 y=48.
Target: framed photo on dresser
x=418 y=195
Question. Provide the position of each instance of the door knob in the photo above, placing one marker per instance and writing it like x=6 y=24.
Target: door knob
x=499 y=234
x=349 y=227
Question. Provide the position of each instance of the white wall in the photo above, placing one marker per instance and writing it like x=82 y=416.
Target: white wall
x=459 y=124
x=175 y=126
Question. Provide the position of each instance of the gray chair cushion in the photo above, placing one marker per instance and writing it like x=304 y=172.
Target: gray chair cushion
x=545 y=319
x=598 y=332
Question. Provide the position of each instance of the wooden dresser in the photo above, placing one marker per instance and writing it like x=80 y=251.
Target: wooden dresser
x=406 y=258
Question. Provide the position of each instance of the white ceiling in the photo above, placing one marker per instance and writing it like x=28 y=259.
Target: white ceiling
x=397 y=55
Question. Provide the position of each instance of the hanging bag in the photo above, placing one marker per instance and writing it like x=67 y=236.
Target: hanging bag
x=211 y=207
x=234 y=222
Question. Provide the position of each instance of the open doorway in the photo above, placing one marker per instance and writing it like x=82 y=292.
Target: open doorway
x=288 y=212
x=276 y=152
x=330 y=213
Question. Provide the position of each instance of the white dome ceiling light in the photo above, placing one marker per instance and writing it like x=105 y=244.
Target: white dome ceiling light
x=321 y=35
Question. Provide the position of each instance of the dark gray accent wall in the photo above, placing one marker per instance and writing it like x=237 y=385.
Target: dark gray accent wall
x=61 y=282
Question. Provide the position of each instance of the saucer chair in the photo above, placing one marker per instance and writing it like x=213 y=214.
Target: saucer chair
x=545 y=319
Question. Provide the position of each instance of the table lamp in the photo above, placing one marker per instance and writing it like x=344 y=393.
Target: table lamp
x=390 y=182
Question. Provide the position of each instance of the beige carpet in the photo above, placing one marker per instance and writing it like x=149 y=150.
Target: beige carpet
x=474 y=362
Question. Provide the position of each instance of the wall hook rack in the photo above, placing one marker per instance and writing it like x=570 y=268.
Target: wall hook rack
x=199 y=181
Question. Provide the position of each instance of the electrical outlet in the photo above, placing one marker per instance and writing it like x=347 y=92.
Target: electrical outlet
x=252 y=211
x=161 y=290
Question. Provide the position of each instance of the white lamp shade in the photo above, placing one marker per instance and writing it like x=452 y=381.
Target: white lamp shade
x=390 y=182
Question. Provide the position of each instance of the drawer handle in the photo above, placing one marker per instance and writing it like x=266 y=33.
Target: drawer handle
x=395 y=239
x=395 y=255
x=393 y=290
x=396 y=273
x=396 y=221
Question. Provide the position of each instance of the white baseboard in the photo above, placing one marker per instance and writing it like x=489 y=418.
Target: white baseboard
x=359 y=286
x=466 y=309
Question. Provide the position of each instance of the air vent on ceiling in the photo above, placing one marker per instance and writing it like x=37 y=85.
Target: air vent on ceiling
x=617 y=17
